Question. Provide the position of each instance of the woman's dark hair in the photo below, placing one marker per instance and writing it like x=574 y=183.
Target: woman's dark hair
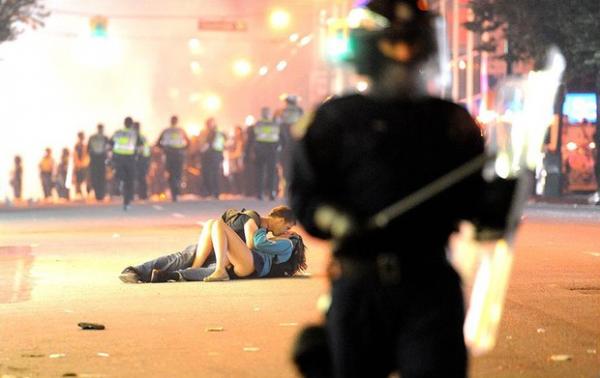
x=283 y=212
x=298 y=259
x=296 y=263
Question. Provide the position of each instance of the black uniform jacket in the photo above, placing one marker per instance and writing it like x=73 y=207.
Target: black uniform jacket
x=361 y=155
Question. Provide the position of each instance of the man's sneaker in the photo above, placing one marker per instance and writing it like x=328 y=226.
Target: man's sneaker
x=129 y=275
x=164 y=276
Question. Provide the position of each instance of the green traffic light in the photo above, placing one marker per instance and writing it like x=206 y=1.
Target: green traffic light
x=99 y=31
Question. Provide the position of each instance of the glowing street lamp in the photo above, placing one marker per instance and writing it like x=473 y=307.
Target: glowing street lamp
x=263 y=70
x=281 y=65
x=279 y=19
x=242 y=67
x=194 y=46
x=294 y=37
x=250 y=120
x=212 y=103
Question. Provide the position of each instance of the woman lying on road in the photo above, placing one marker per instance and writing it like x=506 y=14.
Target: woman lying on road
x=197 y=262
x=266 y=253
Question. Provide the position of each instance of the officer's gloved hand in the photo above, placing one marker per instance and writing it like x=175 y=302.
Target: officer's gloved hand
x=338 y=223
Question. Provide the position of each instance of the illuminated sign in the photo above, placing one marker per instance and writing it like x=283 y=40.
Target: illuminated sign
x=222 y=25
x=578 y=106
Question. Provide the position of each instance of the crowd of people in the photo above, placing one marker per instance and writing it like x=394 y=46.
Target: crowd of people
x=248 y=161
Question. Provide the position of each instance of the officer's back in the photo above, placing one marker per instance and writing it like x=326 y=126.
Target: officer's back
x=386 y=150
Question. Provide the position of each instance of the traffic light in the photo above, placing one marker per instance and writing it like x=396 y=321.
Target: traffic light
x=338 y=40
x=98 y=26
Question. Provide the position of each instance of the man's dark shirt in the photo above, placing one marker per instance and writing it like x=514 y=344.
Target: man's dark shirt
x=362 y=155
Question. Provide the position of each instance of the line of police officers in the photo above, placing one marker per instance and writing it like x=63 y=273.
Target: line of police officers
x=131 y=153
x=130 y=157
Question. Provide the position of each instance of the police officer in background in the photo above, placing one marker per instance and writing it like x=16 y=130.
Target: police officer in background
x=174 y=142
x=287 y=117
x=212 y=144
x=267 y=135
x=124 y=146
x=397 y=303
x=142 y=163
x=98 y=146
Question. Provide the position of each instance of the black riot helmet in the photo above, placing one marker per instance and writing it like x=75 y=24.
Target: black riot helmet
x=396 y=32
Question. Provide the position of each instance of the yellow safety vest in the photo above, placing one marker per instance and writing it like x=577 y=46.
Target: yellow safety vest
x=124 y=142
x=144 y=149
x=266 y=131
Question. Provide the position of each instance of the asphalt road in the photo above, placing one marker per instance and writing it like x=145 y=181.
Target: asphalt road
x=59 y=267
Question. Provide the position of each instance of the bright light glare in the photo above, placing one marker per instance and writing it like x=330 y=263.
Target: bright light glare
x=192 y=128
x=462 y=64
x=263 y=70
x=279 y=19
x=195 y=46
x=571 y=146
x=294 y=37
x=281 y=65
x=98 y=52
x=196 y=68
x=362 y=86
x=305 y=40
x=250 y=120
x=592 y=145
x=242 y=67
x=212 y=103
x=337 y=47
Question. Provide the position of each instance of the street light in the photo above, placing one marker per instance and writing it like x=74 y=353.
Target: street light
x=242 y=67
x=212 y=103
x=279 y=19
x=281 y=65
x=195 y=46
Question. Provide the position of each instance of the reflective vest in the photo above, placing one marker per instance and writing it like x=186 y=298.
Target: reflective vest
x=266 y=131
x=124 y=142
x=97 y=144
x=144 y=149
x=218 y=143
x=173 y=137
x=291 y=114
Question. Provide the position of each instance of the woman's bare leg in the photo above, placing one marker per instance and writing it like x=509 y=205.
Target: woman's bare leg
x=205 y=244
x=229 y=248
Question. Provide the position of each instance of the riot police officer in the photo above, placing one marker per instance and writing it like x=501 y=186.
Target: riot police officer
x=287 y=117
x=124 y=145
x=174 y=142
x=98 y=146
x=211 y=156
x=266 y=143
x=142 y=163
x=396 y=303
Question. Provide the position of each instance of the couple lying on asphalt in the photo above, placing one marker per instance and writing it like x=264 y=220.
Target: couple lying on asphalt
x=240 y=244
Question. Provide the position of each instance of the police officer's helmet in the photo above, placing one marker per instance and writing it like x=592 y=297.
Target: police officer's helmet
x=291 y=99
x=403 y=22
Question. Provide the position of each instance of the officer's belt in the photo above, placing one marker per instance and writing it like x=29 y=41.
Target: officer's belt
x=388 y=268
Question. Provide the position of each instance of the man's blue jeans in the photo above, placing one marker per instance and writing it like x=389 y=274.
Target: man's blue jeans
x=180 y=262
